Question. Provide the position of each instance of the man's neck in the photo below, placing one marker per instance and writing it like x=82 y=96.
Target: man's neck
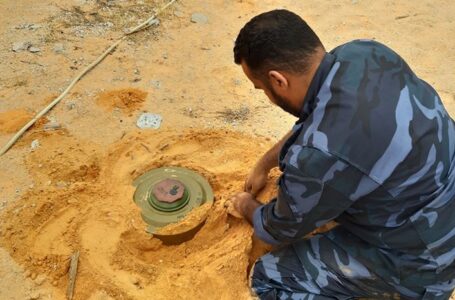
x=303 y=82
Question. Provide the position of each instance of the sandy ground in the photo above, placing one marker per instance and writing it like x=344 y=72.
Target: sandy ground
x=73 y=192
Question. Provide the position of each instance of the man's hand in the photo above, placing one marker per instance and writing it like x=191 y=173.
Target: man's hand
x=230 y=208
x=256 y=180
x=243 y=205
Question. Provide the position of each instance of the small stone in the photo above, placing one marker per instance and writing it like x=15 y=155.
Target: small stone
x=35 y=144
x=21 y=46
x=34 y=295
x=27 y=274
x=59 y=48
x=61 y=185
x=34 y=26
x=70 y=105
x=33 y=276
x=154 y=22
x=155 y=83
x=149 y=120
x=134 y=280
x=178 y=14
x=40 y=279
x=199 y=18
x=28 y=26
x=52 y=126
x=22 y=26
x=34 y=49
x=55 y=283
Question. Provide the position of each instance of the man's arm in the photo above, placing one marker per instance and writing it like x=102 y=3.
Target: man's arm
x=270 y=159
x=315 y=190
x=258 y=176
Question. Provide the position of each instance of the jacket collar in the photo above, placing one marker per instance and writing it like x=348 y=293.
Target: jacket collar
x=316 y=83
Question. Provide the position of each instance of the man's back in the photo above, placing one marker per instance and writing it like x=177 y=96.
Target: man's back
x=375 y=114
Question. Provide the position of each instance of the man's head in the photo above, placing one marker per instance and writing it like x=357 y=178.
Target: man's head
x=279 y=53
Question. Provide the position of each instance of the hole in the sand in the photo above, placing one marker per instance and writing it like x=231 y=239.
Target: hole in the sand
x=177 y=239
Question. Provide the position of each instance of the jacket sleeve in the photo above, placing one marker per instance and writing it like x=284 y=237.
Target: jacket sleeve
x=314 y=188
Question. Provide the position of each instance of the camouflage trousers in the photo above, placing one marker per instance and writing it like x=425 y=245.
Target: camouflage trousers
x=318 y=268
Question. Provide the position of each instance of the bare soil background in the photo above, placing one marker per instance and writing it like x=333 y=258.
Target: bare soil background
x=73 y=191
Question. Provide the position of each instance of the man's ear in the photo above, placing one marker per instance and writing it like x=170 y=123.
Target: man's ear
x=278 y=80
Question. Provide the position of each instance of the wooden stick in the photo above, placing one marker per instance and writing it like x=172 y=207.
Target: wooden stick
x=142 y=26
x=72 y=275
x=13 y=140
x=149 y=21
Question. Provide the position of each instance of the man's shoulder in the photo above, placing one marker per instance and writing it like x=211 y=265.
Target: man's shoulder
x=357 y=115
x=361 y=48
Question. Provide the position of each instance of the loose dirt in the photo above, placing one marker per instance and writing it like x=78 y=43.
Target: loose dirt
x=84 y=201
x=74 y=191
x=13 y=120
x=127 y=100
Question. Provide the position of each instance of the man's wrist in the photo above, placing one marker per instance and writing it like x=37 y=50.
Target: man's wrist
x=247 y=209
x=268 y=161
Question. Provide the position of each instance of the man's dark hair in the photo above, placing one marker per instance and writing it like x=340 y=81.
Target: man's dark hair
x=279 y=40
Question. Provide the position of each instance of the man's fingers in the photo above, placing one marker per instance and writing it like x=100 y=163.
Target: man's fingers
x=230 y=208
x=248 y=187
x=256 y=189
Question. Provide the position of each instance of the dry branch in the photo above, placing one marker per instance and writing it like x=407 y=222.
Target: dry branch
x=72 y=275
x=149 y=22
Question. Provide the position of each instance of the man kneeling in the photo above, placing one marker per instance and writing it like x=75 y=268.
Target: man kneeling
x=373 y=149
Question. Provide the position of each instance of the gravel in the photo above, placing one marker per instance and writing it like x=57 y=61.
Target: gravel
x=199 y=18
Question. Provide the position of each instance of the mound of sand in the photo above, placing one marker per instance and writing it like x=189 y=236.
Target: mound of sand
x=128 y=100
x=13 y=120
x=82 y=200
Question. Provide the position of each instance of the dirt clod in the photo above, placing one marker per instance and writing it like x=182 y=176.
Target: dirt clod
x=128 y=100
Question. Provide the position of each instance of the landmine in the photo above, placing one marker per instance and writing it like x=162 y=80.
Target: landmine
x=169 y=195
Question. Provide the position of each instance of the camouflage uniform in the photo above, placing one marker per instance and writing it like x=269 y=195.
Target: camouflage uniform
x=374 y=150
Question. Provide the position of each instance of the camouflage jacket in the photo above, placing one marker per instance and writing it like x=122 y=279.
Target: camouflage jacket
x=374 y=149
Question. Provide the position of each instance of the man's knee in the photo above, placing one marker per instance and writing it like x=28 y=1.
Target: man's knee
x=259 y=281
x=267 y=287
x=273 y=276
